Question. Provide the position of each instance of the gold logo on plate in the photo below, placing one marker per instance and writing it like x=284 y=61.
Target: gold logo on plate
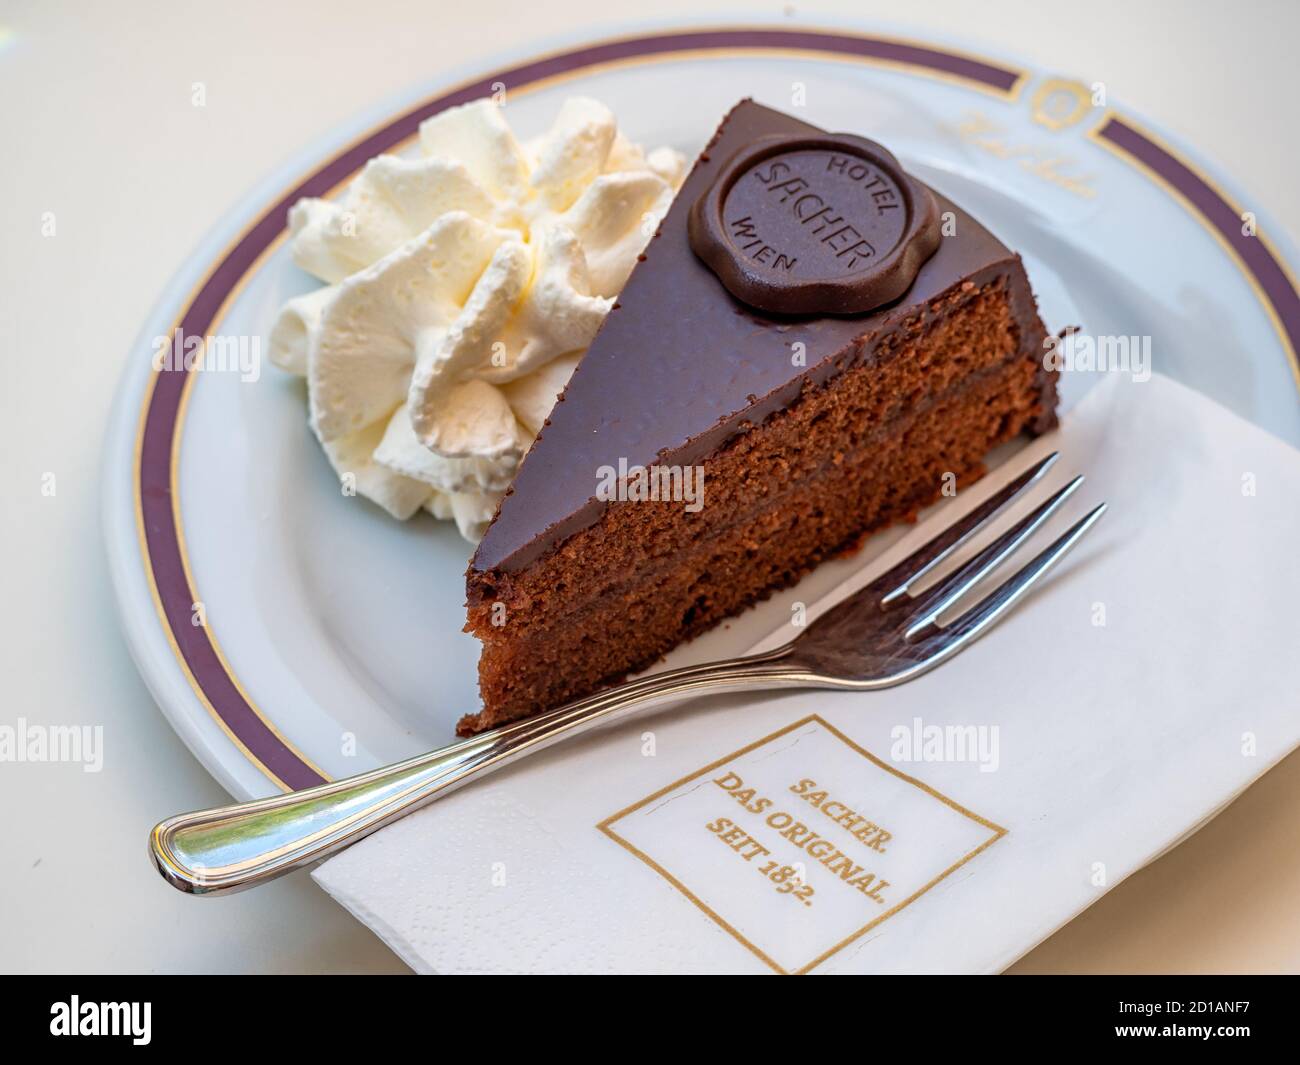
x=1059 y=103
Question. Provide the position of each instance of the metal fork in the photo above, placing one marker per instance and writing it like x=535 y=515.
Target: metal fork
x=878 y=637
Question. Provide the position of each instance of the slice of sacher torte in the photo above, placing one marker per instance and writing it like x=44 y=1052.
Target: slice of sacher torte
x=812 y=341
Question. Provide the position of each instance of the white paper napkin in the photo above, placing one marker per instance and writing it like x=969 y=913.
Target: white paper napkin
x=948 y=825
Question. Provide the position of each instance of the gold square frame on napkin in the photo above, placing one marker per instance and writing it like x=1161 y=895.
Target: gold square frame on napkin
x=679 y=880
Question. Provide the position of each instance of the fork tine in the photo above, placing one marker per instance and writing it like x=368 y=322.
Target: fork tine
x=894 y=583
x=930 y=605
x=979 y=618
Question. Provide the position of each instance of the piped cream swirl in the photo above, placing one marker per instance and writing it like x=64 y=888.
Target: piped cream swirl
x=461 y=289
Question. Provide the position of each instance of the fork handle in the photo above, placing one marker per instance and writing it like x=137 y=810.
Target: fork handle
x=230 y=848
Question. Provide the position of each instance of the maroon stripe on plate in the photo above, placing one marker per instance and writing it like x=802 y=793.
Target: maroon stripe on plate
x=1219 y=214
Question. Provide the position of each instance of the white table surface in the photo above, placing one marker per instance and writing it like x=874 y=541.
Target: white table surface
x=96 y=125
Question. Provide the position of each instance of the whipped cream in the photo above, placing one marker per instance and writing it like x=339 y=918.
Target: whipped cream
x=461 y=289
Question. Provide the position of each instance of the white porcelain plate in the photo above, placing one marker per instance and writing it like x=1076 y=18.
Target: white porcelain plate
x=292 y=633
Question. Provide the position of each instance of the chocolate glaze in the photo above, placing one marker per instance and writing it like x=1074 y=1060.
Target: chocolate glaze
x=681 y=365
